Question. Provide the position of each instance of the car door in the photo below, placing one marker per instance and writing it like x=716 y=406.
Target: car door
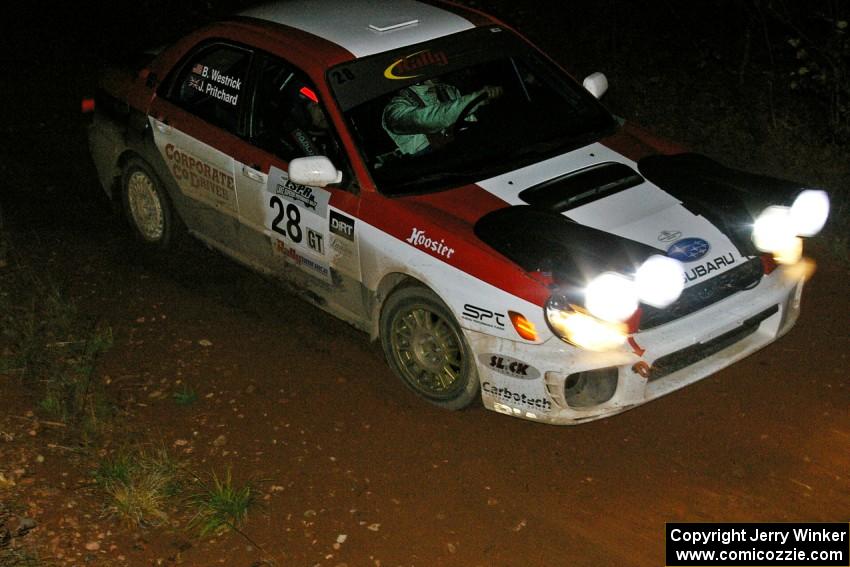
x=304 y=234
x=196 y=120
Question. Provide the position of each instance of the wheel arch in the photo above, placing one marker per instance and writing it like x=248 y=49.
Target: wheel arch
x=390 y=283
x=113 y=188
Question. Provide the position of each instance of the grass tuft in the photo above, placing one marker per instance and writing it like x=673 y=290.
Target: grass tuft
x=185 y=396
x=221 y=505
x=17 y=557
x=51 y=348
x=140 y=486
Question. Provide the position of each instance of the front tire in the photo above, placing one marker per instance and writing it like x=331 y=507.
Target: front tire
x=426 y=348
x=146 y=205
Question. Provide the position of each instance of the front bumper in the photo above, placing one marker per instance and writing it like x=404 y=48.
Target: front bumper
x=674 y=355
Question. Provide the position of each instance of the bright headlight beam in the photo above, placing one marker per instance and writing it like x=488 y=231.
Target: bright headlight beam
x=809 y=212
x=611 y=297
x=660 y=281
x=773 y=230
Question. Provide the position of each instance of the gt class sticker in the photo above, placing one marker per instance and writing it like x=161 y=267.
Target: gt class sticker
x=296 y=218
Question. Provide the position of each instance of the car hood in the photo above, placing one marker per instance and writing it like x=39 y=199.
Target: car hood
x=594 y=210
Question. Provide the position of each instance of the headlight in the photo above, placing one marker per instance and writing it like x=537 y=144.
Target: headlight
x=809 y=212
x=778 y=229
x=610 y=300
x=774 y=232
x=660 y=281
x=611 y=297
x=582 y=329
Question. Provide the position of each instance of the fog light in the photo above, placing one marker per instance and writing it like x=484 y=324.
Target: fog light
x=591 y=387
x=791 y=254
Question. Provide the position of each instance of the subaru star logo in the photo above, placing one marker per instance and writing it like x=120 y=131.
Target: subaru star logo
x=688 y=249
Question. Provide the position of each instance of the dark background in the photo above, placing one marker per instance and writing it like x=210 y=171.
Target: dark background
x=759 y=84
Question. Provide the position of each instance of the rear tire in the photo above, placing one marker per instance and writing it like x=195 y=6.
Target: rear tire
x=147 y=207
x=426 y=348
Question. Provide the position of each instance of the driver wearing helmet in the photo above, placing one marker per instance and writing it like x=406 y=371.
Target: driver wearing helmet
x=419 y=118
x=304 y=125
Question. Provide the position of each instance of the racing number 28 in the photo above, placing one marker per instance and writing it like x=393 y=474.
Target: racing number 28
x=291 y=215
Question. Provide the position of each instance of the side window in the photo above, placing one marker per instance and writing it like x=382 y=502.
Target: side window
x=211 y=83
x=288 y=119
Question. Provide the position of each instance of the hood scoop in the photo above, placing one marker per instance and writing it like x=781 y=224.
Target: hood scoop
x=581 y=187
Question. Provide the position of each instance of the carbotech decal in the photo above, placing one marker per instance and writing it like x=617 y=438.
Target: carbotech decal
x=508 y=366
x=415 y=62
x=201 y=180
x=506 y=395
x=419 y=239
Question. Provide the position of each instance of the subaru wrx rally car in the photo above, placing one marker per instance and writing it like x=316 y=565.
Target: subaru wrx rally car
x=426 y=174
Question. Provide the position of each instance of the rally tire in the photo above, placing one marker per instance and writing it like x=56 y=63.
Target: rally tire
x=426 y=348
x=147 y=207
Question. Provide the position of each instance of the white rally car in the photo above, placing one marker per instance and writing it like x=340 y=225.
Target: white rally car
x=424 y=173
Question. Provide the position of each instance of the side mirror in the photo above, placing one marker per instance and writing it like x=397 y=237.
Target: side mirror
x=314 y=171
x=596 y=84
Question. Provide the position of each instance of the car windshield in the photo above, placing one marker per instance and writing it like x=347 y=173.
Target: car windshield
x=462 y=108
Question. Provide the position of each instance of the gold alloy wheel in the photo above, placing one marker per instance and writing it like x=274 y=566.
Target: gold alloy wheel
x=429 y=352
x=145 y=206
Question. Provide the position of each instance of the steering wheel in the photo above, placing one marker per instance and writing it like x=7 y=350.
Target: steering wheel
x=461 y=124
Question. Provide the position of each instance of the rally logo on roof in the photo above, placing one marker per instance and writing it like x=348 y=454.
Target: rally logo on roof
x=402 y=68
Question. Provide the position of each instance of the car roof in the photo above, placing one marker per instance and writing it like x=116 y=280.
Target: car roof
x=365 y=27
